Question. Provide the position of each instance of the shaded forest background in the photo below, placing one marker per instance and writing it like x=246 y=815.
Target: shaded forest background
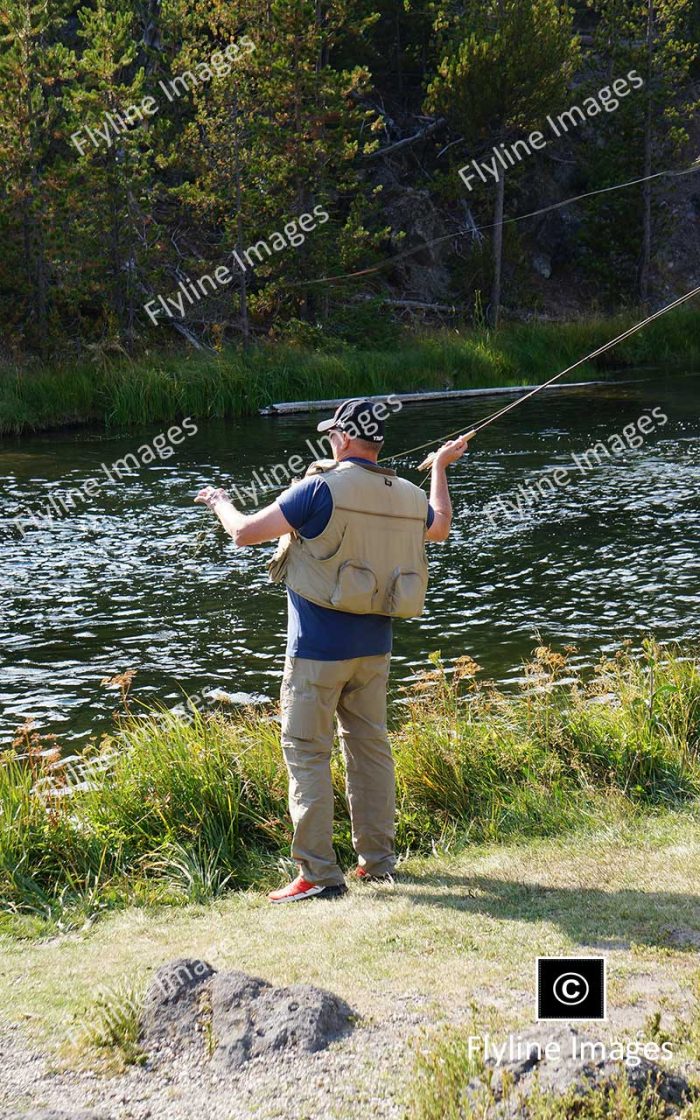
x=364 y=109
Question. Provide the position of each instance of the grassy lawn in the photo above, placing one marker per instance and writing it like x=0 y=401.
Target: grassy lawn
x=459 y=929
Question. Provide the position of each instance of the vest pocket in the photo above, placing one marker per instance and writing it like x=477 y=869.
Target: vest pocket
x=354 y=589
x=278 y=563
x=406 y=596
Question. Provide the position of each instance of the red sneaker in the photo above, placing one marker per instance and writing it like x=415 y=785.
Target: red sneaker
x=301 y=889
x=365 y=877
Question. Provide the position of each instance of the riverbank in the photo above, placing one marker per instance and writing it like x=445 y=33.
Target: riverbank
x=118 y=392
x=174 y=812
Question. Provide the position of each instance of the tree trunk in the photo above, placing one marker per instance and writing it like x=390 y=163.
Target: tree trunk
x=35 y=264
x=114 y=239
x=243 y=289
x=645 y=263
x=497 y=233
x=37 y=269
x=497 y=251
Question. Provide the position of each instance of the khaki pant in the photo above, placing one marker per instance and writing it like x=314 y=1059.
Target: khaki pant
x=312 y=693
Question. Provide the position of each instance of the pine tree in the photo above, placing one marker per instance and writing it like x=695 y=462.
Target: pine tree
x=110 y=160
x=275 y=138
x=504 y=66
x=646 y=133
x=31 y=66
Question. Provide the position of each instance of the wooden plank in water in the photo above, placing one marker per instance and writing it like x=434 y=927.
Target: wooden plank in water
x=286 y=407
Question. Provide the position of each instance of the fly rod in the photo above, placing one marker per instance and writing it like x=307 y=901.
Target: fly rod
x=428 y=461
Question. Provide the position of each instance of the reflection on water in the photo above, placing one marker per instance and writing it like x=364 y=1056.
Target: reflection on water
x=128 y=581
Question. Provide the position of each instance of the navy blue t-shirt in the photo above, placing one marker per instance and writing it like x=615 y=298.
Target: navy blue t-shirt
x=320 y=632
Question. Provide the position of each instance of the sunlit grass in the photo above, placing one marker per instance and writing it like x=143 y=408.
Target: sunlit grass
x=107 y=1033
x=457 y=932
x=170 y=810
x=441 y=1090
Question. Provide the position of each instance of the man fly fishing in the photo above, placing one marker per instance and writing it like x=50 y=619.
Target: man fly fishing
x=352 y=554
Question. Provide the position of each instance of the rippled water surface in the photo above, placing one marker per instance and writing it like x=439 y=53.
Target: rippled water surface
x=128 y=581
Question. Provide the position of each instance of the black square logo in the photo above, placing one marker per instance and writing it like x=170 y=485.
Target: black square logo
x=571 y=988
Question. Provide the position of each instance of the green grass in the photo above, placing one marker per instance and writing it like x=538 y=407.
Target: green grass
x=178 y=812
x=108 y=1036
x=119 y=392
x=447 y=951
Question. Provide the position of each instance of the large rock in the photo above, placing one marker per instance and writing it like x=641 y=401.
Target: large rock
x=232 y=1017
x=301 y=1017
x=173 y=1008
x=563 y=1069
x=232 y=1022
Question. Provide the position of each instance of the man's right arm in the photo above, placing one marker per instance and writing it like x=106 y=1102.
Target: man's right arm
x=450 y=452
x=245 y=529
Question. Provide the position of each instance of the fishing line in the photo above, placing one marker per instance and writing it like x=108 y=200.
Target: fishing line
x=492 y=417
x=492 y=225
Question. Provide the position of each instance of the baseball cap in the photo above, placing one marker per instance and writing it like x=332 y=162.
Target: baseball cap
x=359 y=419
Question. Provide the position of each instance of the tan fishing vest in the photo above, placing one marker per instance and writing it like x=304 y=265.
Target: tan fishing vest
x=370 y=558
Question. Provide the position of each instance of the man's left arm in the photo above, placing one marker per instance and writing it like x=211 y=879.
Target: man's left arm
x=450 y=452
x=245 y=529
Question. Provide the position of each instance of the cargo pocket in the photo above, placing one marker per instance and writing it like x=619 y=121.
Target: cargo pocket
x=406 y=596
x=355 y=588
x=307 y=711
x=300 y=716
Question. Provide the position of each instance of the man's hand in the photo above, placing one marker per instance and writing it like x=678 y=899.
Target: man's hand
x=450 y=452
x=211 y=495
x=254 y=528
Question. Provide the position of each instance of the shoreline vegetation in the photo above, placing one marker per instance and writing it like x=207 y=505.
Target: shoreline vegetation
x=170 y=811
x=111 y=389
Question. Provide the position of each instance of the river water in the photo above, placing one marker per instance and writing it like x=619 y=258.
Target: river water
x=141 y=578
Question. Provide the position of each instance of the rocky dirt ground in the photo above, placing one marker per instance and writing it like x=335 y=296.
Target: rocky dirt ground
x=357 y=1077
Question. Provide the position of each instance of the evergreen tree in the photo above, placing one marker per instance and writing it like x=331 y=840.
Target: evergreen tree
x=504 y=65
x=645 y=134
x=110 y=160
x=275 y=138
x=31 y=67
x=260 y=111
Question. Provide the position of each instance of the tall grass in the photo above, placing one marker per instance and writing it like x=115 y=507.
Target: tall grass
x=109 y=1034
x=119 y=392
x=174 y=811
